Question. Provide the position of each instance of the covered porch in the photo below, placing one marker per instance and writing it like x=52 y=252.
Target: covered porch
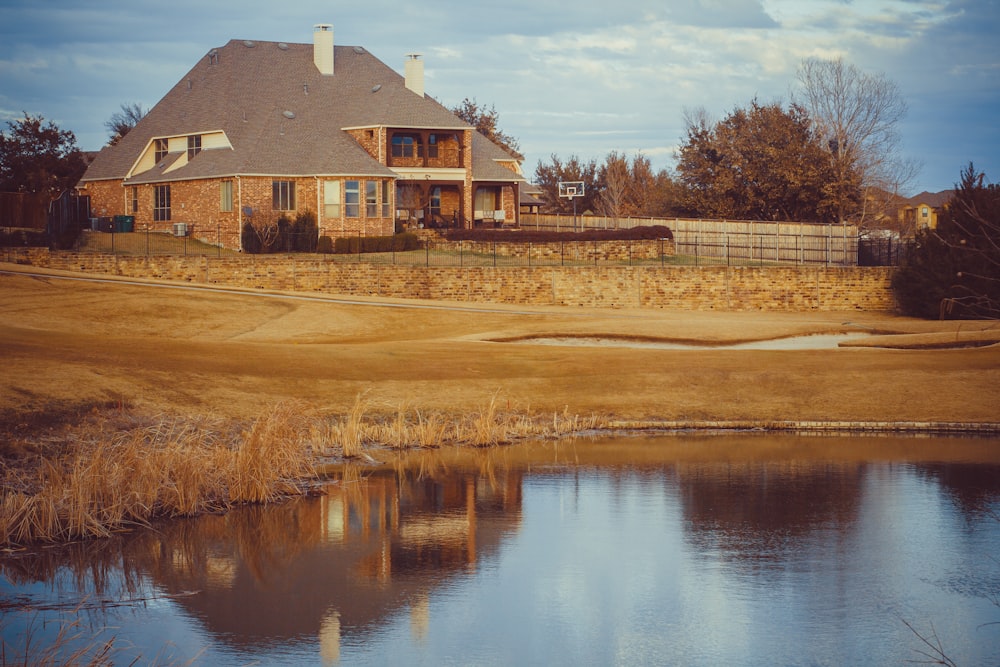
x=430 y=204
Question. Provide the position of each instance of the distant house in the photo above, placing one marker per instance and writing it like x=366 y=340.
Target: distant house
x=257 y=130
x=921 y=211
x=531 y=198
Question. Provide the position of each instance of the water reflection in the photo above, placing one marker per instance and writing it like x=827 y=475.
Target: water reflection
x=680 y=549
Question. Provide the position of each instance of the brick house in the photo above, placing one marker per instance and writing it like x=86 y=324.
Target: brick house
x=260 y=129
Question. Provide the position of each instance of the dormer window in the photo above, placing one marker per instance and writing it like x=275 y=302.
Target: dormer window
x=159 y=149
x=194 y=145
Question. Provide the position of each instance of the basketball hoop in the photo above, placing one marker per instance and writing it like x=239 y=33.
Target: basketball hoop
x=571 y=190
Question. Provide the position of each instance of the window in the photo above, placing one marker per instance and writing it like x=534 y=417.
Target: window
x=161 y=202
x=226 y=196
x=486 y=199
x=159 y=149
x=371 y=199
x=405 y=145
x=352 y=199
x=134 y=199
x=436 y=201
x=283 y=195
x=432 y=146
x=925 y=212
x=194 y=145
x=331 y=199
x=386 y=199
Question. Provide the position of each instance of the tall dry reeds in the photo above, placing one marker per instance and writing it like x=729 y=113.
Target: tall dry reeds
x=168 y=469
x=181 y=467
x=405 y=427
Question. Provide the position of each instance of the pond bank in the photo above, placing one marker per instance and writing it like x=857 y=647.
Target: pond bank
x=844 y=427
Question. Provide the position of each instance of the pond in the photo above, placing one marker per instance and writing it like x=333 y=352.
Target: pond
x=660 y=549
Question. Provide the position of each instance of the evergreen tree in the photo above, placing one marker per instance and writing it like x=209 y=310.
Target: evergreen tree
x=954 y=271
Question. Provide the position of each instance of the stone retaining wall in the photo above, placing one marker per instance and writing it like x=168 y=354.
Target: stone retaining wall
x=569 y=252
x=801 y=288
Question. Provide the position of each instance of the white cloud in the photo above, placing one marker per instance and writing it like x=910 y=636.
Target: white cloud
x=585 y=81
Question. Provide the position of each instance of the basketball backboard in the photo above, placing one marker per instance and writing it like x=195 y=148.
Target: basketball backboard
x=570 y=189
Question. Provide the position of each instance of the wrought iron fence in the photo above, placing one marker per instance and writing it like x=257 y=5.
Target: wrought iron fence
x=690 y=249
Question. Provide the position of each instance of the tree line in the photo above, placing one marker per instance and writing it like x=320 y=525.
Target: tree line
x=830 y=155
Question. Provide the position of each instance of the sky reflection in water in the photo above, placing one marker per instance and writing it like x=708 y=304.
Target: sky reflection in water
x=669 y=550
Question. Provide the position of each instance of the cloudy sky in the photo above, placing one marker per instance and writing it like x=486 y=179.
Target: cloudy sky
x=567 y=79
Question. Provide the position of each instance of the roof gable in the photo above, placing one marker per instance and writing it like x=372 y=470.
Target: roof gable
x=280 y=115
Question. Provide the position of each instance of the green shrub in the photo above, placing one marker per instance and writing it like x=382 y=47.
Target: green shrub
x=952 y=271
x=324 y=245
x=249 y=240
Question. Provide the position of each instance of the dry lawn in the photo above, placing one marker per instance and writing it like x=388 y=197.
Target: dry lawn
x=222 y=353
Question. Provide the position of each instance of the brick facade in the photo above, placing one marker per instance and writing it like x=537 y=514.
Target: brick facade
x=197 y=203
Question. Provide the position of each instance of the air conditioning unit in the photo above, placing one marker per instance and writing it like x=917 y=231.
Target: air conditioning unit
x=180 y=229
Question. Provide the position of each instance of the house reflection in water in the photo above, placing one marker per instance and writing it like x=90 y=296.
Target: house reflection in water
x=792 y=531
x=338 y=565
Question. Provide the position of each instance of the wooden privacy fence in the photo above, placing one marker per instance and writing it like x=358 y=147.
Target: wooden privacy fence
x=24 y=210
x=730 y=241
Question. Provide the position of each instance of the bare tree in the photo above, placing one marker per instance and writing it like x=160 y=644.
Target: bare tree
x=856 y=117
x=264 y=230
x=122 y=121
x=617 y=180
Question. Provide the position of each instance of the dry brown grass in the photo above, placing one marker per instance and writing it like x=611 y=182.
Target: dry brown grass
x=169 y=468
x=401 y=427
x=127 y=471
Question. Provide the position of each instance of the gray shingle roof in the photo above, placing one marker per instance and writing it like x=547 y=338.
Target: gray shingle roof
x=246 y=91
x=486 y=159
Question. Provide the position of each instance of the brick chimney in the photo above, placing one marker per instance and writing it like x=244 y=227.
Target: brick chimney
x=323 y=48
x=414 y=73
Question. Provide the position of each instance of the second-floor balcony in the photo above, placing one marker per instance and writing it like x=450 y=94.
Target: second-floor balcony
x=429 y=149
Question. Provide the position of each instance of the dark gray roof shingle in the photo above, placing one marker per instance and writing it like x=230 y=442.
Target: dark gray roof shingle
x=246 y=91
